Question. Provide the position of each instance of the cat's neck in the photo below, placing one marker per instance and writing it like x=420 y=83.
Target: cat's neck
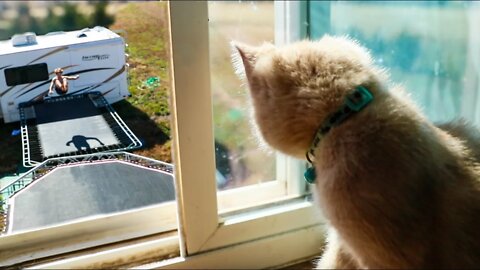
x=387 y=114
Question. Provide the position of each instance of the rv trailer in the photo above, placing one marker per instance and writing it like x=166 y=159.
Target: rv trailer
x=27 y=64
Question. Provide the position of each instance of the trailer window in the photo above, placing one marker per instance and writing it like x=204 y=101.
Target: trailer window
x=26 y=74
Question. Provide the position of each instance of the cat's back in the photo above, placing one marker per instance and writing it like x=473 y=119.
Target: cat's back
x=466 y=132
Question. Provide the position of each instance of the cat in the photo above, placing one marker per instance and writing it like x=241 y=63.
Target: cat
x=397 y=191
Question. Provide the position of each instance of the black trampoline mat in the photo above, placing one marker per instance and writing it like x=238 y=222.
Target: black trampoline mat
x=71 y=124
x=74 y=135
x=69 y=193
x=65 y=109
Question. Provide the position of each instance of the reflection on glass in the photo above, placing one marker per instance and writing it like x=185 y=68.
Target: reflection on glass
x=66 y=189
x=432 y=47
x=240 y=160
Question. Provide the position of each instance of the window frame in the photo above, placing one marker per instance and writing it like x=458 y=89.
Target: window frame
x=207 y=237
x=194 y=156
x=234 y=235
x=89 y=232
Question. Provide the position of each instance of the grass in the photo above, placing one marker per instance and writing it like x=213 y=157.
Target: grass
x=11 y=153
x=146 y=112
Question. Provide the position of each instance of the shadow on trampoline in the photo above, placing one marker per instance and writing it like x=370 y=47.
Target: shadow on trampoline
x=80 y=142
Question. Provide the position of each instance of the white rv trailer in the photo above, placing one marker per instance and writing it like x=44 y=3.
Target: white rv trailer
x=27 y=63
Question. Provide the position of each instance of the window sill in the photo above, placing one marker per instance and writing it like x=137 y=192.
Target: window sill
x=123 y=255
x=271 y=252
x=41 y=243
x=270 y=237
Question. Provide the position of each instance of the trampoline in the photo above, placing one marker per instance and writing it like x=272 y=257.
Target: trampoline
x=72 y=192
x=72 y=125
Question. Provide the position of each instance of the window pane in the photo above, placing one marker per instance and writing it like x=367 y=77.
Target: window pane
x=429 y=46
x=240 y=159
x=26 y=74
x=65 y=189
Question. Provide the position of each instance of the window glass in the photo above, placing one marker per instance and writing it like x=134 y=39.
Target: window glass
x=60 y=191
x=240 y=158
x=26 y=74
x=431 y=47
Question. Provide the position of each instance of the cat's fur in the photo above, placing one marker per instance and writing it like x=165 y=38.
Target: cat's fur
x=398 y=191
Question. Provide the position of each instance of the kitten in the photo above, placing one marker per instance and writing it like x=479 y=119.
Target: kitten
x=398 y=191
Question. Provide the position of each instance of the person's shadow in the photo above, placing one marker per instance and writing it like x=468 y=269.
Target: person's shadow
x=80 y=142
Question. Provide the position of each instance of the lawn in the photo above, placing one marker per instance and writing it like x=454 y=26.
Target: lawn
x=147 y=112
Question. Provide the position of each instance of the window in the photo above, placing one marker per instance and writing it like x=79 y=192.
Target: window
x=270 y=235
x=429 y=46
x=216 y=228
x=193 y=110
x=248 y=172
x=26 y=74
x=30 y=227
x=239 y=157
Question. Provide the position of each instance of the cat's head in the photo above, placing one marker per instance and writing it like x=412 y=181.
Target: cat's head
x=296 y=87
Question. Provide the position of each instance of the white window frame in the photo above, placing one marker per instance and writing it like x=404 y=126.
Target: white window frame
x=268 y=235
x=201 y=228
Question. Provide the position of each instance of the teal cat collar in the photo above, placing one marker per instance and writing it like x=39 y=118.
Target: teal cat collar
x=354 y=103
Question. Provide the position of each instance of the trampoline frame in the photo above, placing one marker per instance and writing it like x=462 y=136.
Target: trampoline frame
x=99 y=102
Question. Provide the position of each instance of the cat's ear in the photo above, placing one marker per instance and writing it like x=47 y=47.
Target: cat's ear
x=243 y=58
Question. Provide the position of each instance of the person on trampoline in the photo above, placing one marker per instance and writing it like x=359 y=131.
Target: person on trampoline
x=60 y=82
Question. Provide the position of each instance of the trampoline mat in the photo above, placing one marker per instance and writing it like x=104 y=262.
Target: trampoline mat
x=65 y=109
x=75 y=135
x=71 y=125
x=69 y=193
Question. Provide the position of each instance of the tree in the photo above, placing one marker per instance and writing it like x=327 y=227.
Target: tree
x=24 y=22
x=72 y=19
x=51 y=22
x=100 y=16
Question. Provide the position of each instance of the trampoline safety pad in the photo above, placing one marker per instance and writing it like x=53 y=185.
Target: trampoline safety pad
x=73 y=192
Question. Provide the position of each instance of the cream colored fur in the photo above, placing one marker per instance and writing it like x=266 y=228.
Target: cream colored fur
x=398 y=191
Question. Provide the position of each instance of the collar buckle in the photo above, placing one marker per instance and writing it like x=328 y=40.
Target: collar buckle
x=359 y=99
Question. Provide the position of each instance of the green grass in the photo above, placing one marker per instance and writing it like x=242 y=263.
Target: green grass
x=147 y=111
